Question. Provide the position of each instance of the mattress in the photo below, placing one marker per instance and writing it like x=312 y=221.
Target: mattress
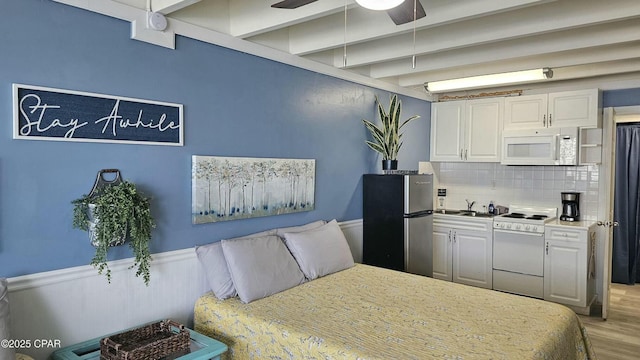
x=367 y=312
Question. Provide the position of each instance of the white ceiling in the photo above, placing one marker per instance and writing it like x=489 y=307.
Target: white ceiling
x=576 y=38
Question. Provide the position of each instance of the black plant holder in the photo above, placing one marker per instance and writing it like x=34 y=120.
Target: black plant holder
x=101 y=182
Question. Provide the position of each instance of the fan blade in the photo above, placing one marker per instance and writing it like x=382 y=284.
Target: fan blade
x=292 y=4
x=403 y=13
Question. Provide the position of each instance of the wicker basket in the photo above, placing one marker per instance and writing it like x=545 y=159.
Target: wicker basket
x=154 y=341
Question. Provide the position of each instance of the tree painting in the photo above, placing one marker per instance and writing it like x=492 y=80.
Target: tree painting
x=230 y=188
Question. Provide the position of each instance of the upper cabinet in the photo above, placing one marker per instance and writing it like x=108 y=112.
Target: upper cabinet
x=468 y=130
x=447 y=131
x=579 y=108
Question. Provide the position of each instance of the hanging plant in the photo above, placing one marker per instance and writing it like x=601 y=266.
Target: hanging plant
x=387 y=139
x=118 y=213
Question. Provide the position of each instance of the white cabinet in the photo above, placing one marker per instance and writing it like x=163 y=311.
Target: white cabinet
x=468 y=130
x=569 y=265
x=442 y=252
x=462 y=250
x=581 y=108
x=590 y=146
x=525 y=112
x=447 y=131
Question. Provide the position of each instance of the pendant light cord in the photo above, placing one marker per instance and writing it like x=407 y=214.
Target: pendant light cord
x=413 y=58
x=344 y=51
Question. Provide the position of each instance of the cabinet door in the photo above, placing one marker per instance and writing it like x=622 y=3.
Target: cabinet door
x=483 y=131
x=525 y=112
x=442 y=252
x=472 y=254
x=447 y=131
x=565 y=272
x=574 y=108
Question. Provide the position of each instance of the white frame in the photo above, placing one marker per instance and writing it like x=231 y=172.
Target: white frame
x=16 y=117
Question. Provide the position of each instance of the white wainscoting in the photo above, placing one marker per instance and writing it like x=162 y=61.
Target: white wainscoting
x=77 y=304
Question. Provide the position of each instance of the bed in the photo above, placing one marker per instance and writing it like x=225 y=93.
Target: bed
x=366 y=312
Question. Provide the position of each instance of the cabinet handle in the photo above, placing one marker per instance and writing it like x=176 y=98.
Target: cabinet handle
x=544 y=120
x=450 y=235
x=549 y=120
x=454 y=236
x=546 y=248
x=465 y=154
x=461 y=155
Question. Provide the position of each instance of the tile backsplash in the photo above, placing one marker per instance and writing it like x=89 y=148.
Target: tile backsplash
x=517 y=185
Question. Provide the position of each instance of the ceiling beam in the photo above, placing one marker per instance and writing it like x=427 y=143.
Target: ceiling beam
x=366 y=25
x=594 y=36
x=491 y=29
x=253 y=17
x=168 y=6
x=556 y=60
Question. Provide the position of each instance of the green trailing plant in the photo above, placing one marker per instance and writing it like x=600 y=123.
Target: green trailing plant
x=387 y=139
x=120 y=212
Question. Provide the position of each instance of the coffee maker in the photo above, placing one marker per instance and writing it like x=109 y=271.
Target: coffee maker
x=570 y=206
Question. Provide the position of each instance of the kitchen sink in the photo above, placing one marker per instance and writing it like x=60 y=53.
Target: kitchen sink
x=463 y=213
x=447 y=211
x=476 y=214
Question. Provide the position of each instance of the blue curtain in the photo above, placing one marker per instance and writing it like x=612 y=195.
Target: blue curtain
x=626 y=237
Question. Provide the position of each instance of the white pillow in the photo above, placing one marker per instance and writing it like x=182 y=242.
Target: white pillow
x=212 y=259
x=320 y=251
x=294 y=229
x=5 y=352
x=261 y=267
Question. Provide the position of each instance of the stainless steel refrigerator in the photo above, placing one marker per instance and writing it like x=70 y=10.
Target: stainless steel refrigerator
x=398 y=222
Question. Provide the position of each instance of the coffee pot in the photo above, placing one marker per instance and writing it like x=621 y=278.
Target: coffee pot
x=570 y=206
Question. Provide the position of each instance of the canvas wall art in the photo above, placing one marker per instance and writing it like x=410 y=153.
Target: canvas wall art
x=231 y=188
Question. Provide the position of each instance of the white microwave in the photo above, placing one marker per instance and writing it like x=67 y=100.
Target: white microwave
x=540 y=147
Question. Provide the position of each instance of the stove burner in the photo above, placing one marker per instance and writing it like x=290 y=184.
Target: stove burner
x=515 y=215
x=537 y=217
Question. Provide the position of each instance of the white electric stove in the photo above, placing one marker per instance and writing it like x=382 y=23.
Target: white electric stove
x=518 y=249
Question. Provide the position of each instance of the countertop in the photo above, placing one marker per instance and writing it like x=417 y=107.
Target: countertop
x=572 y=224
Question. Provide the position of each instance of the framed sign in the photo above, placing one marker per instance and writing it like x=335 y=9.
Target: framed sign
x=42 y=113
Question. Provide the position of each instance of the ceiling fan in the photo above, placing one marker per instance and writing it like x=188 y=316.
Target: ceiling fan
x=400 y=14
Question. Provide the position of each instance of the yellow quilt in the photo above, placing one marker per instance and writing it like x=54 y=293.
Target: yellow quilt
x=367 y=312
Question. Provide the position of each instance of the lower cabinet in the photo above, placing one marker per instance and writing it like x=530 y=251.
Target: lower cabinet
x=569 y=265
x=462 y=250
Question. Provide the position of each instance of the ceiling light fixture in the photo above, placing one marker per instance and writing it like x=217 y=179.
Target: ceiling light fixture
x=474 y=82
x=379 y=4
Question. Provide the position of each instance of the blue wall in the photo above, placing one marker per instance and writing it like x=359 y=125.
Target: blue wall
x=235 y=105
x=625 y=97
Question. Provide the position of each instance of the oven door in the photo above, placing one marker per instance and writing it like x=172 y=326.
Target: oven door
x=518 y=252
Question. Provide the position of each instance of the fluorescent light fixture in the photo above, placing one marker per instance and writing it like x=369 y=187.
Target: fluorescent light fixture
x=379 y=4
x=481 y=81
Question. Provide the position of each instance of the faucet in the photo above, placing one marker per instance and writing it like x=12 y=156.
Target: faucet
x=469 y=204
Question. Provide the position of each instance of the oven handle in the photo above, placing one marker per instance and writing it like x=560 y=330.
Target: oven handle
x=516 y=232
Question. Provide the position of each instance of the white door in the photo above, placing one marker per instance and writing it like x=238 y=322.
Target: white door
x=565 y=272
x=525 y=112
x=607 y=189
x=573 y=108
x=447 y=131
x=442 y=252
x=472 y=258
x=483 y=132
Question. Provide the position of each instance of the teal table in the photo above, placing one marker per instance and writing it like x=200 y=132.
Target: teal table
x=202 y=348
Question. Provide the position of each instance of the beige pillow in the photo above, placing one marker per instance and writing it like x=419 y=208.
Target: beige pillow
x=212 y=259
x=294 y=229
x=261 y=267
x=321 y=251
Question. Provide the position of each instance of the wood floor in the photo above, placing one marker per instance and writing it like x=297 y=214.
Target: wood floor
x=617 y=338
